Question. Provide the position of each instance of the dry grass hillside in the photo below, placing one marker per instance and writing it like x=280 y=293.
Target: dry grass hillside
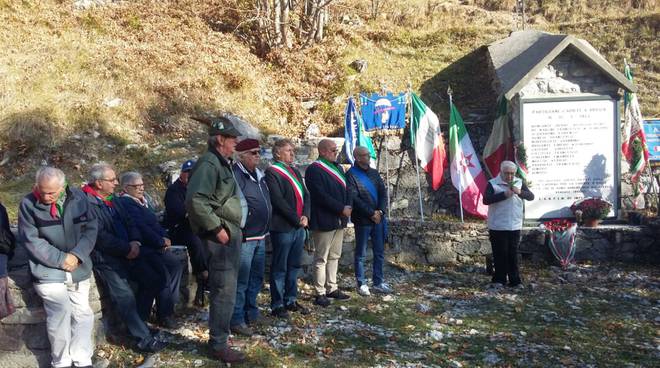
x=83 y=85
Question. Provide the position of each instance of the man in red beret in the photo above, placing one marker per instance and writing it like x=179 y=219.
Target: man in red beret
x=252 y=182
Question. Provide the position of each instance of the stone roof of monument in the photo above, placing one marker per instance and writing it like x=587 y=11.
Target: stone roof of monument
x=518 y=58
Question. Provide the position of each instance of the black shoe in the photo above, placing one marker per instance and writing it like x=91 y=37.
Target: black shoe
x=280 y=312
x=296 y=307
x=322 y=300
x=337 y=294
x=151 y=345
x=242 y=330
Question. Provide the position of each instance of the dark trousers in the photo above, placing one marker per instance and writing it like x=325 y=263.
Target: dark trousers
x=174 y=270
x=285 y=266
x=150 y=272
x=250 y=281
x=113 y=277
x=223 y=274
x=505 y=255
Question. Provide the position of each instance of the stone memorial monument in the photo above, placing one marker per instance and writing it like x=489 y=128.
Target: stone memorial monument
x=565 y=99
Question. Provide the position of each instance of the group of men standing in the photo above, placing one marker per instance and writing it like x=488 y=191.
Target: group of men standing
x=233 y=207
x=222 y=211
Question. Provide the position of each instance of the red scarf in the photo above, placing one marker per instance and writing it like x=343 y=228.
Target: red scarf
x=89 y=190
x=53 y=206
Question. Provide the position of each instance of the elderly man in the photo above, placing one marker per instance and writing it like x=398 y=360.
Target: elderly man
x=178 y=228
x=367 y=191
x=58 y=231
x=330 y=210
x=290 y=201
x=217 y=214
x=504 y=198
x=155 y=257
x=252 y=182
x=117 y=248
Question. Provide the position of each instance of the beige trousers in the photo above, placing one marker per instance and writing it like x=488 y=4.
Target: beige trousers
x=327 y=252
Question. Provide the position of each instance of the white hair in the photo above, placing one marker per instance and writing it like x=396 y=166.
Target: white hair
x=97 y=171
x=508 y=165
x=48 y=172
x=129 y=178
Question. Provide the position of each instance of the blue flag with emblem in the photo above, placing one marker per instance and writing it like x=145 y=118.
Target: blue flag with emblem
x=383 y=112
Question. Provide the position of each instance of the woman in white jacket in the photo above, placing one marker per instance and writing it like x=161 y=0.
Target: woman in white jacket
x=504 y=198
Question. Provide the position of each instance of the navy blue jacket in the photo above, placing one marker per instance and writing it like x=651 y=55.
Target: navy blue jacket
x=116 y=230
x=363 y=205
x=282 y=197
x=257 y=197
x=146 y=222
x=176 y=218
x=328 y=198
x=7 y=240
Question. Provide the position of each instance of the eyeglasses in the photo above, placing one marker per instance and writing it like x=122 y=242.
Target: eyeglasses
x=135 y=185
x=112 y=180
x=255 y=152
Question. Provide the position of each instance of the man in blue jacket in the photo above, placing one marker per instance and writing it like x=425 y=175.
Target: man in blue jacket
x=117 y=247
x=331 y=208
x=58 y=231
x=367 y=191
x=252 y=182
x=178 y=228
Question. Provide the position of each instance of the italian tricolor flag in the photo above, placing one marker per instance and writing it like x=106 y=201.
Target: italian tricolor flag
x=426 y=137
x=633 y=140
x=466 y=173
x=500 y=145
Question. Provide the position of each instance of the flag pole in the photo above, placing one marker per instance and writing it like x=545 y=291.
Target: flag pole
x=387 y=166
x=413 y=138
x=460 y=187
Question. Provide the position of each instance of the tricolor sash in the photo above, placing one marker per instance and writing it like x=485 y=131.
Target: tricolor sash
x=332 y=170
x=287 y=173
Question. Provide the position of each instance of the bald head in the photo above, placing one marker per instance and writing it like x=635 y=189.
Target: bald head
x=328 y=150
x=362 y=157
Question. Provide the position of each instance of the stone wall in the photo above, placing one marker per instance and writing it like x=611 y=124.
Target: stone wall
x=435 y=243
x=23 y=338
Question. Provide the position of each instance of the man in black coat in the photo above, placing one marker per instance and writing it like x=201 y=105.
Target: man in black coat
x=7 y=245
x=178 y=228
x=117 y=247
x=290 y=201
x=331 y=208
x=367 y=192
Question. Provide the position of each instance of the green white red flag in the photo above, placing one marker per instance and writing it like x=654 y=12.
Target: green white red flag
x=466 y=173
x=633 y=140
x=427 y=139
x=500 y=145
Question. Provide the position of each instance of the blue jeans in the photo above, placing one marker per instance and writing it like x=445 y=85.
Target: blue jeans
x=285 y=267
x=250 y=280
x=113 y=275
x=362 y=234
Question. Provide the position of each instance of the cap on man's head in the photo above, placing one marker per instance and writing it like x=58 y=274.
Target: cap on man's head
x=188 y=165
x=222 y=126
x=247 y=144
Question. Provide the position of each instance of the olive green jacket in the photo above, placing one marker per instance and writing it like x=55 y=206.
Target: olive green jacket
x=212 y=198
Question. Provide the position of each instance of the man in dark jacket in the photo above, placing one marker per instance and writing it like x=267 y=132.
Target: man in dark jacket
x=217 y=214
x=117 y=248
x=7 y=245
x=155 y=255
x=290 y=201
x=58 y=231
x=252 y=182
x=367 y=191
x=178 y=228
x=331 y=207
